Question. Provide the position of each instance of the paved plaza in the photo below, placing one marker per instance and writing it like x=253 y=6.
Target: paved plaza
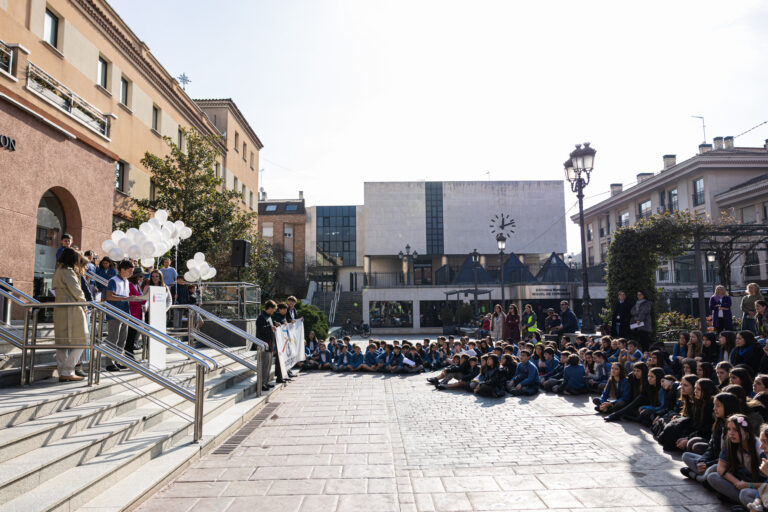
x=376 y=443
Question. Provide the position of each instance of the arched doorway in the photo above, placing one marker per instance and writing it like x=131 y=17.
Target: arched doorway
x=51 y=224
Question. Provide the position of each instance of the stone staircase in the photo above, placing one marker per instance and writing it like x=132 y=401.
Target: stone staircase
x=10 y=357
x=66 y=447
x=347 y=308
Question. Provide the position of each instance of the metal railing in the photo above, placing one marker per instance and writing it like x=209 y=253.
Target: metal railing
x=6 y=58
x=64 y=98
x=334 y=304
x=194 y=334
x=239 y=300
x=99 y=347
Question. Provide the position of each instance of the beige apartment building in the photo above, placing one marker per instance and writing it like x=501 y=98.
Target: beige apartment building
x=721 y=177
x=82 y=99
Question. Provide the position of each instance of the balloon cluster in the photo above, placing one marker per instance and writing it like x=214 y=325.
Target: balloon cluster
x=151 y=240
x=199 y=269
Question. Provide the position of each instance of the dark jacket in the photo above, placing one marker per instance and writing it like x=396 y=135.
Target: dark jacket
x=620 y=320
x=264 y=330
x=641 y=312
x=751 y=355
x=570 y=322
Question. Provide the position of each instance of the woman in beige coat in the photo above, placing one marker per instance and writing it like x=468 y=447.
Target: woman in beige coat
x=70 y=325
x=497 y=323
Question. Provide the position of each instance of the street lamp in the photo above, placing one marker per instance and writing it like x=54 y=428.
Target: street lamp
x=577 y=170
x=408 y=260
x=475 y=259
x=501 y=243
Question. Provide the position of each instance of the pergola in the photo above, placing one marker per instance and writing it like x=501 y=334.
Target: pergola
x=467 y=291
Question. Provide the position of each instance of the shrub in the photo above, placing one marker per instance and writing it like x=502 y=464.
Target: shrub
x=314 y=320
x=675 y=321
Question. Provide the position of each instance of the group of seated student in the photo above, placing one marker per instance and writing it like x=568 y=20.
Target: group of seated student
x=707 y=399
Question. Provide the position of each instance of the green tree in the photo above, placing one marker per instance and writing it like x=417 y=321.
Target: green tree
x=636 y=252
x=186 y=187
x=314 y=320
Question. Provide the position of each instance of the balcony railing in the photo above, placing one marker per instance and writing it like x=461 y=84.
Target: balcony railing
x=6 y=58
x=65 y=99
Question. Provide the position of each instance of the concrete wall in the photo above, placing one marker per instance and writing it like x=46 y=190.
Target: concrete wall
x=395 y=217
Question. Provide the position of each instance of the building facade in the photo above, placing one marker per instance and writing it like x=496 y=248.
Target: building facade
x=722 y=179
x=83 y=98
x=282 y=224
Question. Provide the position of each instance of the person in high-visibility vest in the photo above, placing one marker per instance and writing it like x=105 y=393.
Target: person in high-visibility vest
x=528 y=321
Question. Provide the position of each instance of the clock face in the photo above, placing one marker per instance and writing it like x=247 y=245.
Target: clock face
x=502 y=223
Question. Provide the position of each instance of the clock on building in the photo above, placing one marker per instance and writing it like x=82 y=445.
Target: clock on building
x=502 y=223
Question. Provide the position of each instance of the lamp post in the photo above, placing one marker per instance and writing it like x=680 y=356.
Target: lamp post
x=577 y=170
x=501 y=242
x=408 y=257
x=475 y=259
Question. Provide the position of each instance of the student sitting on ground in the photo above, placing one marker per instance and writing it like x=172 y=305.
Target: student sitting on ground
x=385 y=358
x=464 y=374
x=396 y=363
x=412 y=362
x=554 y=377
x=432 y=358
x=573 y=382
x=356 y=359
x=526 y=379
x=597 y=383
x=493 y=382
x=343 y=361
x=616 y=393
x=370 y=360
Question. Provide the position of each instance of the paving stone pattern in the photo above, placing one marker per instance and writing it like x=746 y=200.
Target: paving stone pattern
x=375 y=443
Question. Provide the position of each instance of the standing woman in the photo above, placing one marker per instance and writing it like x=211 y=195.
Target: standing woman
x=136 y=308
x=497 y=323
x=720 y=308
x=70 y=325
x=641 y=320
x=512 y=321
x=748 y=310
x=156 y=279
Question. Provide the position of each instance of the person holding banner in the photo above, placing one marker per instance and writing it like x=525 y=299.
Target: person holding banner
x=265 y=331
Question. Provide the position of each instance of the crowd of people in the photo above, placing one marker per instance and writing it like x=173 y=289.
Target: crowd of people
x=705 y=397
x=126 y=289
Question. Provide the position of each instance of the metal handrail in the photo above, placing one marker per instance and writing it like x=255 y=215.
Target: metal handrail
x=334 y=304
x=97 y=278
x=223 y=323
x=12 y=289
x=147 y=330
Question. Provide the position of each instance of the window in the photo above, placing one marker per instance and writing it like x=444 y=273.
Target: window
x=152 y=191
x=765 y=212
x=751 y=264
x=224 y=178
x=251 y=159
x=589 y=232
x=602 y=230
x=101 y=72
x=590 y=257
x=623 y=219
x=237 y=141
x=336 y=236
x=287 y=230
x=748 y=215
x=288 y=257
x=179 y=138
x=271 y=208
x=120 y=176
x=698 y=192
x=250 y=200
x=663 y=200
x=291 y=207
x=51 y=29
x=644 y=209
x=244 y=193
x=267 y=229
x=217 y=170
x=124 y=91
x=673 y=204
x=236 y=188
x=155 y=118
x=245 y=151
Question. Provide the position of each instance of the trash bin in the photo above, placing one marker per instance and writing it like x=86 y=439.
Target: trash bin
x=5 y=304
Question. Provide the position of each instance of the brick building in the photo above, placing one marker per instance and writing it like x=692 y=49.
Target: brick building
x=281 y=223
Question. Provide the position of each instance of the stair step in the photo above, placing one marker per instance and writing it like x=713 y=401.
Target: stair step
x=73 y=488
x=34 y=467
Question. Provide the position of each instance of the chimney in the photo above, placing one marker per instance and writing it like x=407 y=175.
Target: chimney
x=616 y=188
x=705 y=148
x=766 y=144
x=301 y=195
x=728 y=141
x=669 y=161
x=718 y=143
x=641 y=177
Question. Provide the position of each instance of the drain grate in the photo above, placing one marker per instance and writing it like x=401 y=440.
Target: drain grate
x=238 y=437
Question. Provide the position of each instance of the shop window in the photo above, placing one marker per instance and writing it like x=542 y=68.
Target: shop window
x=391 y=313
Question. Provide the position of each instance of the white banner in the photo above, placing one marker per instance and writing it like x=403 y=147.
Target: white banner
x=290 y=345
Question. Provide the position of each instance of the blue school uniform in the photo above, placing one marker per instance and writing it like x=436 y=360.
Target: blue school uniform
x=526 y=374
x=356 y=360
x=397 y=360
x=385 y=358
x=324 y=356
x=550 y=365
x=623 y=392
x=636 y=356
x=666 y=401
x=679 y=351
x=554 y=373
x=573 y=378
x=343 y=359
x=603 y=372
x=371 y=359
x=310 y=348
x=432 y=359
x=613 y=356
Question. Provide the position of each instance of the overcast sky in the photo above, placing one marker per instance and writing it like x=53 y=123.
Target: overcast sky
x=342 y=92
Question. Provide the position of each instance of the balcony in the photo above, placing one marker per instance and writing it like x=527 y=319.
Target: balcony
x=6 y=58
x=60 y=96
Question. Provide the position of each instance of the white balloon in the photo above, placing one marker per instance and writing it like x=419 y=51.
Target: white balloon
x=131 y=233
x=191 y=264
x=147 y=262
x=115 y=254
x=108 y=245
x=139 y=238
x=166 y=233
x=210 y=274
x=199 y=257
x=148 y=250
x=186 y=233
x=155 y=222
x=124 y=244
x=194 y=274
x=179 y=224
x=117 y=235
x=188 y=277
x=161 y=215
x=134 y=252
x=145 y=228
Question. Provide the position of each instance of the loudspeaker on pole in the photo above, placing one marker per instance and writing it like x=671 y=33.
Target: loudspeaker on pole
x=241 y=251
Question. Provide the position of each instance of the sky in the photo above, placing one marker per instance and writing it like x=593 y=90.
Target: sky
x=346 y=91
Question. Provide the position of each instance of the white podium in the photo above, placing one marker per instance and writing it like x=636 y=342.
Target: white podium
x=157 y=319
